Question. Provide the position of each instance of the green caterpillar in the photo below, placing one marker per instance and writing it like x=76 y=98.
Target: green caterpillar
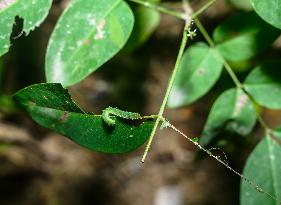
x=109 y=111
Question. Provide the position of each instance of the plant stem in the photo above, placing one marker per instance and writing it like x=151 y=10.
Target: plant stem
x=168 y=91
x=225 y=163
x=204 y=32
x=231 y=73
x=203 y=8
x=174 y=13
x=262 y=122
x=185 y=16
x=259 y=117
x=164 y=10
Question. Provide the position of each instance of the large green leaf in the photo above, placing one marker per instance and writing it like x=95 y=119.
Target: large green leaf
x=52 y=107
x=33 y=13
x=147 y=21
x=199 y=70
x=244 y=35
x=264 y=84
x=87 y=35
x=264 y=168
x=232 y=111
x=269 y=10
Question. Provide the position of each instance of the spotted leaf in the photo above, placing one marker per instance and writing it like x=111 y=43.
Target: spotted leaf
x=87 y=35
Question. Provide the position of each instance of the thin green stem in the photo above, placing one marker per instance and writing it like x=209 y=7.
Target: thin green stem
x=185 y=16
x=174 y=13
x=259 y=117
x=225 y=164
x=168 y=91
x=204 y=32
x=231 y=73
x=262 y=122
x=164 y=10
x=203 y=8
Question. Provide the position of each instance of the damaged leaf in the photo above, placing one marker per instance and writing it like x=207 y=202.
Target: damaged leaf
x=52 y=107
x=32 y=12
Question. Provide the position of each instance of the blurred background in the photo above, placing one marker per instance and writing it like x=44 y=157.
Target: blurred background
x=39 y=167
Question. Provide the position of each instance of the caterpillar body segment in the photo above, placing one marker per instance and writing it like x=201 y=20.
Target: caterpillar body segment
x=108 y=115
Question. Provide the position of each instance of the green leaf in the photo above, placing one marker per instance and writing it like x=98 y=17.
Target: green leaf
x=147 y=21
x=243 y=36
x=264 y=84
x=269 y=10
x=87 y=35
x=242 y=4
x=263 y=167
x=232 y=111
x=33 y=13
x=52 y=107
x=199 y=70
